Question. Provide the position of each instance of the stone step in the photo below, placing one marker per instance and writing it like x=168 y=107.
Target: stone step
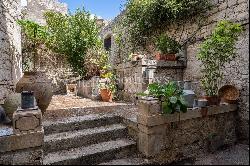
x=93 y=154
x=128 y=161
x=74 y=139
x=80 y=123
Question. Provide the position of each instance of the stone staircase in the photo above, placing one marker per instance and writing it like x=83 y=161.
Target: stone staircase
x=88 y=140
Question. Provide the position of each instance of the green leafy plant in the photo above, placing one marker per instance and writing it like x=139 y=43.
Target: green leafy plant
x=167 y=45
x=35 y=35
x=170 y=96
x=72 y=36
x=143 y=17
x=215 y=52
x=110 y=83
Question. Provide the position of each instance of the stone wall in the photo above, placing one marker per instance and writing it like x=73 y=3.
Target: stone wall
x=35 y=9
x=134 y=76
x=10 y=46
x=168 y=138
x=236 y=73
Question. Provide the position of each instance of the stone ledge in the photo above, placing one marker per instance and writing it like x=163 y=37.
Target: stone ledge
x=153 y=63
x=171 y=64
x=154 y=118
x=21 y=141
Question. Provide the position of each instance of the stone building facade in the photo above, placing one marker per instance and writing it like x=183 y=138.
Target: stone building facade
x=236 y=73
x=10 y=46
x=35 y=9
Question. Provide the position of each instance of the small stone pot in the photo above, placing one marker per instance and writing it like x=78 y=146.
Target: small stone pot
x=27 y=100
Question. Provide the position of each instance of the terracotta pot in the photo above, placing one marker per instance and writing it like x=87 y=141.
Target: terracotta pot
x=212 y=100
x=170 y=57
x=106 y=95
x=165 y=57
x=39 y=83
x=159 y=57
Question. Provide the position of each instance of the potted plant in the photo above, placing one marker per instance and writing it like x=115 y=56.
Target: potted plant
x=214 y=53
x=34 y=80
x=167 y=48
x=108 y=87
x=170 y=96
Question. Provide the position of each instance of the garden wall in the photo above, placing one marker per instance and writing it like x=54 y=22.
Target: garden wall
x=10 y=46
x=173 y=137
x=236 y=73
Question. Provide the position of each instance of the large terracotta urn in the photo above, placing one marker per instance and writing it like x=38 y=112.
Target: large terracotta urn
x=39 y=83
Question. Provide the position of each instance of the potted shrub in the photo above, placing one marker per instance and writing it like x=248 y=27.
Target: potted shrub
x=214 y=53
x=170 y=96
x=167 y=48
x=108 y=88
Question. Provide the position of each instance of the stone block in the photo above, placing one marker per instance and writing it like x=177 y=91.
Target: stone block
x=156 y=120
x=149 y=108
x=151 y=144
x=21 y=141
x=25 y=121
x=192 y=113
x=224 y=108
x=159 y=130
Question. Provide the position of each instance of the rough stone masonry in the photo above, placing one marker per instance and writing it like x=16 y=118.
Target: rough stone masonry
x=10 y=46
x=236 y=73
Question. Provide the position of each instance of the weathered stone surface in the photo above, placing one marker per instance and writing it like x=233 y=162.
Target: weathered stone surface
x=10 y=46
x=168 y=138
x=236 y=73
x=149 y=108
x=25 y=121
x=21 y=141
x=92 y=154
x=157 y=119
x=35 y=9
x=31 y=156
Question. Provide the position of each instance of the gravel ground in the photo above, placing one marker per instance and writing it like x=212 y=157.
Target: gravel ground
x=64 y=102
x=235 y=155
x=62 y=106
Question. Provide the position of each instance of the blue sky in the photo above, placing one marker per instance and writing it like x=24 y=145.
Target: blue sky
x=107 y=9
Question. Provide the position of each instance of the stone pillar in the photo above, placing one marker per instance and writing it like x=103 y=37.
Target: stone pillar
x=152 y=127
x=23 y=143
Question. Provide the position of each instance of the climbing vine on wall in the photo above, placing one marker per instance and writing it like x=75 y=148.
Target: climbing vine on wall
x=143 y=17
